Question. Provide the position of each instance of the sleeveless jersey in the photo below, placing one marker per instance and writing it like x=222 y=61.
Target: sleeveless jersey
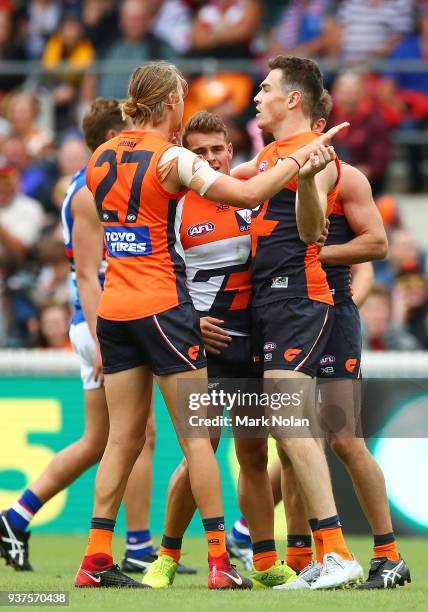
x=217 y=247
x=283 y=265
x=339 y=232
x=145 y=261
x=77 y=182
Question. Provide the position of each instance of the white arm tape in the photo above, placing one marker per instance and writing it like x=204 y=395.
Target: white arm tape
x=193 y=171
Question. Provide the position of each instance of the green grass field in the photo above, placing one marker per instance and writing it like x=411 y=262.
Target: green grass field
x=56 y=558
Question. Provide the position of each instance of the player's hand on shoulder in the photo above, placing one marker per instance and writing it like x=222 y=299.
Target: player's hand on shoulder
x=215 y=337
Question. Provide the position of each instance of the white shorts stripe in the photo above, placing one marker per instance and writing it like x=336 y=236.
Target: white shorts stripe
x=297 y=368
x=26 y=514
x=171 y=345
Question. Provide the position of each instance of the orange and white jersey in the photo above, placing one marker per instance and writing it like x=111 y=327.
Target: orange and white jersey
x=217 y=247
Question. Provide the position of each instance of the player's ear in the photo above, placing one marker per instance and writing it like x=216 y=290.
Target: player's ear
x=294 y=97
x=229 y=151
x=111 y=133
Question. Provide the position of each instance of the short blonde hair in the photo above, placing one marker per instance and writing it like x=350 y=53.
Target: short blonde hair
x=148 y=91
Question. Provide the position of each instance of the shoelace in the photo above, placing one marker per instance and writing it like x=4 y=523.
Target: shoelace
x=162 y=567
x=330 y=565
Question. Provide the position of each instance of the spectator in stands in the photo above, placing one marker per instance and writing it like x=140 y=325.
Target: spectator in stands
x=366 y=144
x=36 y=174
x=300 y=30
x=21 y=217
x=53 y=279
x=42 y=20
x=137 y=44
x=18 y=314
x=10 y=50
x=380 y=331
x=174 y=16
x=410 y=303
x=54 y=321
x=73 y=155
x=22 y=111
x=69 y=47
x=225 y=29
x=100 y=19
x=368 y=29
x=409 y=91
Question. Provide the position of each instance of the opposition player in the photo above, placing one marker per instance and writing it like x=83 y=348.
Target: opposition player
x=292 y=304
x=217 y=249
x=84 y=246
x=146 y=322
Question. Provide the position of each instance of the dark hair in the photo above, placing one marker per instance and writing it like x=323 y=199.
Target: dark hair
x=303 y=75
x=103 y=115
x=204 y=122
x=323 y=107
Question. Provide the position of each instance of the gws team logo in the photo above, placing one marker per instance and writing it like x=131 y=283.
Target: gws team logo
x=327 y=359
x=243 y=218
x=291 y=354
x=201 y=229
x=127 y=242
x=350 y=365
x=263 y=165
x=193 y=352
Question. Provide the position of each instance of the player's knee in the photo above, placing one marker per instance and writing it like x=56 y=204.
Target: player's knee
x=253 y=456
x=349 y=450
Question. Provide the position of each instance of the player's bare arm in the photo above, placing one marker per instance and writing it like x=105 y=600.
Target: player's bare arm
x=315 y=180
x=364 y=219
x=362 y=281
x=88 y=252
x=179 y=167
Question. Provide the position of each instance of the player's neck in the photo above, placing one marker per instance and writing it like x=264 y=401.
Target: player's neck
x=162 y=128
x=291 y=126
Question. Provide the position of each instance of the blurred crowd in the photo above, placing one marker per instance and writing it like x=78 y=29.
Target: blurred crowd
x=87 y=48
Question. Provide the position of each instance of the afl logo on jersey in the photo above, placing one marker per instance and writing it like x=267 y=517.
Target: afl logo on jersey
x=201 y=229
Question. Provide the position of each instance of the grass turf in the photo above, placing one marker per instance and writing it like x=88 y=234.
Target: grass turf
x=56 y=559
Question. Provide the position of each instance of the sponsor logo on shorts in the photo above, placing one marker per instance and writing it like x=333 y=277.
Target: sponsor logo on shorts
x=243 y=218
x=269 y=346
x=193 y=352
x=291 y=354
x=127 y=242
x=350 y=365
x=268 y=357
x=201 y=229
x=327 y=371
x=280 y=282
x=263 y=165
x=327 y=359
